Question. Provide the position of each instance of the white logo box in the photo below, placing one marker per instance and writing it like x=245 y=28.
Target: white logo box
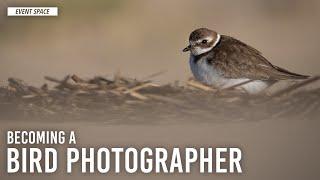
x=32 y=11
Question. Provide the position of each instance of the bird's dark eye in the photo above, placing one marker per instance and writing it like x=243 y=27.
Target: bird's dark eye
x=204 y=41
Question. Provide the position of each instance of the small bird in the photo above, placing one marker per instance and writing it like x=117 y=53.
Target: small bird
x=222 y=61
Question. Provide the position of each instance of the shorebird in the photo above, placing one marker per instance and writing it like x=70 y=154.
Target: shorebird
x=223 y=61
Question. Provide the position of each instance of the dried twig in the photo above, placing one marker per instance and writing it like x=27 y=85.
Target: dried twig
x=136 y=88
x=200 y=86
x=76 y=79
x=153 y=75
x=48 y=78
x=138 y=95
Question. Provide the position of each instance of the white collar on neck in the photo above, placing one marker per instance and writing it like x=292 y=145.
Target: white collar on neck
x=217 y=40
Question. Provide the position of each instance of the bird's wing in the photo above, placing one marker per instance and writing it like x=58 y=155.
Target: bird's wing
x=236 y=59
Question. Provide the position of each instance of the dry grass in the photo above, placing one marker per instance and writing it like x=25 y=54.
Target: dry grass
x=121 y=100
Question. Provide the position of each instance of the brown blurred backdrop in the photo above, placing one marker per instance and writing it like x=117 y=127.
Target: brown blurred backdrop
x=139 y=38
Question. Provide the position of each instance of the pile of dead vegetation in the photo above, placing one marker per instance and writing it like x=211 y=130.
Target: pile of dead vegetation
x=121 y=100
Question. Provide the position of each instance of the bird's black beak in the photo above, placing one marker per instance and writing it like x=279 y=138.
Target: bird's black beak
x=187 y=49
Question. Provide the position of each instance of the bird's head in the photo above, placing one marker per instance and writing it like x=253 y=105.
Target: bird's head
x=201 y=41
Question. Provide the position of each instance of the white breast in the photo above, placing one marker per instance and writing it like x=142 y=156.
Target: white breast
x=207 y=74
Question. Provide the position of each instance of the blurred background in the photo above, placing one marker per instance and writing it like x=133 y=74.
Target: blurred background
x=138 y=38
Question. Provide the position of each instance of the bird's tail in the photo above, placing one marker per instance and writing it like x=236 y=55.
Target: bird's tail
x=291 y=75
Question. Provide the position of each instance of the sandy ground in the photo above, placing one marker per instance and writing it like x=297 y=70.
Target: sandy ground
x=273 y=149
x=279 y=136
